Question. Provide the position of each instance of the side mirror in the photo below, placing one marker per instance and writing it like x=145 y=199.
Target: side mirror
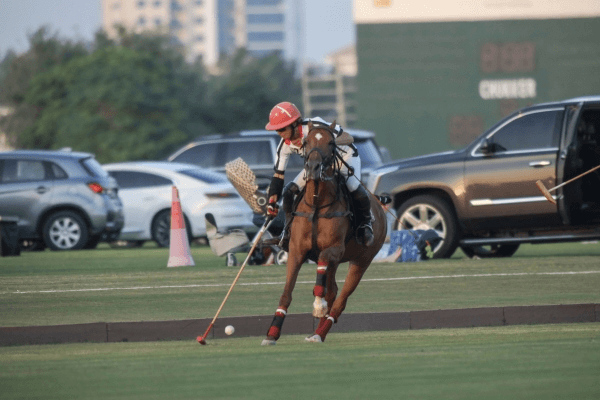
x=487 y=147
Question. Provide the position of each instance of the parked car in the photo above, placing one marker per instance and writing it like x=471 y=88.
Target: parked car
x=258 y=147
x=145 y=189
x=484 y=198
x=64 y=200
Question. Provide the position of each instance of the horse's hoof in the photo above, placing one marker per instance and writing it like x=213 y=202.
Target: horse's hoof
x=314 y=339
x=268 y=342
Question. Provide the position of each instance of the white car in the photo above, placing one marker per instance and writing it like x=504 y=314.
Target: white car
x=146 y=194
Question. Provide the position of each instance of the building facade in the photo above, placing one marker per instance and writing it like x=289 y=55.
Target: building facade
x=210 y=28
x=432 y=76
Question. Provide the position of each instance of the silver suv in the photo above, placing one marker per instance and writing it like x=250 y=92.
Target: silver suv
x=64 y=200
x=258 y=147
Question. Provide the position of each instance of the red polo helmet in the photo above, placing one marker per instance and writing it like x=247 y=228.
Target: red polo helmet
x=282 y=115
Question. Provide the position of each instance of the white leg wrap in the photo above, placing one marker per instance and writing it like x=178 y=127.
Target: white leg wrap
x=314 y=339
x=319 y=307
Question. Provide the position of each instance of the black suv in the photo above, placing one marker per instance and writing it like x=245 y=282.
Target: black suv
x=64 y=200
x=258 y=147
x=484 y=198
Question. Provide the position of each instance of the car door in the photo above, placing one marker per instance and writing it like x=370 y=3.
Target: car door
x=142 y=194
x=25 y=192
x=500 y=186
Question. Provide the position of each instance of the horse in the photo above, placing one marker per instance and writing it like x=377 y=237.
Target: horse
x=322 y=231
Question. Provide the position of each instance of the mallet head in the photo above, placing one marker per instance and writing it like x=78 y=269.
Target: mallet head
x=201 y=340
x=545 y=192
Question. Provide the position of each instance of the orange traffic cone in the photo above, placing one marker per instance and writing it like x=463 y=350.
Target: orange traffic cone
x=179 y=246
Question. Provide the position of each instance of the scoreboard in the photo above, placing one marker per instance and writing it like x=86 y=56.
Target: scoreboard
x=432 y=76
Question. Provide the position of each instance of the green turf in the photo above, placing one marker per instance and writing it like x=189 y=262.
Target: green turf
x=142 y=288
x=516 y=362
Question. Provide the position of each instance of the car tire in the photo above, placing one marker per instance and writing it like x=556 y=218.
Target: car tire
x=65 y=230
x=281 y=257
x=492 y=251
x=161 y=228
x=430 y=212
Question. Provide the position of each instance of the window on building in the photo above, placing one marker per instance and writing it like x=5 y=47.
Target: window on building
x=199 y=38
x=142 y=21
x=157 y=3
x=265 y=36
x=265 y=18
x=116 y=5
x=199 y=20
x=141 y=4
x=175 y=6
x=157 y=21
x=263 y=2
x=198 y=2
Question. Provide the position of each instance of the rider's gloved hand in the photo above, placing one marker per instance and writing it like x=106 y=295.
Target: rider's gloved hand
x=273 y=207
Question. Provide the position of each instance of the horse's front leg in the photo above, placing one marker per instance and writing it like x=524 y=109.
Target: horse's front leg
x=325 y=290
x=293 y=267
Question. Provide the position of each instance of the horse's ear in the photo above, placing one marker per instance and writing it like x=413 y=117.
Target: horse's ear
x=332 y=126
x=310 y=125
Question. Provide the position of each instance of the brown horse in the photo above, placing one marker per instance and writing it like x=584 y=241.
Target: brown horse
x=322 y=231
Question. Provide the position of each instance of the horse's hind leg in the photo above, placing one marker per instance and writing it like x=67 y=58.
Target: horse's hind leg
x=355 y=274
x=293 y=267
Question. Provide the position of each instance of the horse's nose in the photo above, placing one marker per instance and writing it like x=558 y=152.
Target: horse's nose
x=312 y=169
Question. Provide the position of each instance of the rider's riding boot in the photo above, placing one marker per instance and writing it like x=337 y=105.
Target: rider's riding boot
x=289 y=194
x=362 y=211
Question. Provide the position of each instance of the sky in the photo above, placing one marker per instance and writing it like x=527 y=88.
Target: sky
x=80 y=19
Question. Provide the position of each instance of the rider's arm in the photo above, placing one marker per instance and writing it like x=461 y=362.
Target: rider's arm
x=281 y=159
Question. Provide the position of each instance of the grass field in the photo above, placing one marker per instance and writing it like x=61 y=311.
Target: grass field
x=516 y=362
x=116 y=285
x=110 y=285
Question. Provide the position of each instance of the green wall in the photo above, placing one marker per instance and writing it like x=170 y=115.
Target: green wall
x=415 y=78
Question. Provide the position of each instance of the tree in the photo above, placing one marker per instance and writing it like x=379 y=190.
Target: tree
x=117 y=103
x=243 y=96
x=45 y=52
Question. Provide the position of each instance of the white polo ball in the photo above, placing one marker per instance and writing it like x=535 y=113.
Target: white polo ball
x=229 y=329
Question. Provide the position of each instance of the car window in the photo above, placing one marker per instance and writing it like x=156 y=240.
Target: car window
x=530 y=131
x=205 y=175
x=132 y=179
x=93 y=167
x=369 y=155
x=23 y=170
x=58 y=172
x=253 y=152
x=204 y=155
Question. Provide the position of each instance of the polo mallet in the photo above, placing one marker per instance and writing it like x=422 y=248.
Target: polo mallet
x=268 y=220
x=546 y=192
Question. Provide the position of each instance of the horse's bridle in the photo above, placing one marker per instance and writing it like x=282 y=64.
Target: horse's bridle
x=326 y=160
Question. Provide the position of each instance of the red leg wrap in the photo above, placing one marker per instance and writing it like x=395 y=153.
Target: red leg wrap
x=319 y=291
x=274 y=332
x=324 y=328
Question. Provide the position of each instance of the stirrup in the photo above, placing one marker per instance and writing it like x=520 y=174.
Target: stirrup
x=284 y=242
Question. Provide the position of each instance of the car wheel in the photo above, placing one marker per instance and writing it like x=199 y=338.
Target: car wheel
x=65 y=230
x=491 y=251
x=281 y=257
x=161 y=228
x=430 y=212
